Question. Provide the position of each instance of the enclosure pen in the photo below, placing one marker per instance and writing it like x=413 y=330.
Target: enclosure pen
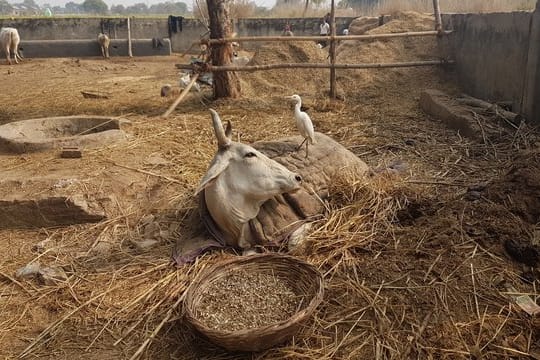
x=332 y=52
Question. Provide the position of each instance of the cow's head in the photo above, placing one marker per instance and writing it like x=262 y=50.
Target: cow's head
x=239 y=180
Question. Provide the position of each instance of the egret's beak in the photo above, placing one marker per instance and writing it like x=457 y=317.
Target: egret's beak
x=288 y=97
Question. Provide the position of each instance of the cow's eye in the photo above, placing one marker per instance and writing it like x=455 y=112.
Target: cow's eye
x=250 y=154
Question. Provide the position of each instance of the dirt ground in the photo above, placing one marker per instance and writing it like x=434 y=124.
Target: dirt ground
x=420 y=265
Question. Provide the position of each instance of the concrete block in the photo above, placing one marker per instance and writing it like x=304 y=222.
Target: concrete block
x=441 y=106
x=90 y=47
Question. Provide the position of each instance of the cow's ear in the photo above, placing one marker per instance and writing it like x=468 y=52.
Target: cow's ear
x=217 y=166
x=228 y=130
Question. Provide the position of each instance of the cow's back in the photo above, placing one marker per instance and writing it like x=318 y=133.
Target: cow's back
x=282 y=215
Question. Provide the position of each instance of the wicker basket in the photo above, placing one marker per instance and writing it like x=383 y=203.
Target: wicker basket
x=304 y=279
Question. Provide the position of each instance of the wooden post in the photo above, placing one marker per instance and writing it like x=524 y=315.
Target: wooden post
x=181 y=96
x=333 y=94
x=130 y=53
x=225 y=84
x=280 y=38
x=437 y=12
x=251 y=68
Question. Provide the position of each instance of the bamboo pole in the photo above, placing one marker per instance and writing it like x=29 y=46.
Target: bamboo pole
x=130 y=52
x=437 y=13
x=210 y=68
x=319 y=37
x=181 y=96
x=333 y=94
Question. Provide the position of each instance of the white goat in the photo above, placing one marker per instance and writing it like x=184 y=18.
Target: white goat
x=104 y=43
x=9 y=42
x=239 y=180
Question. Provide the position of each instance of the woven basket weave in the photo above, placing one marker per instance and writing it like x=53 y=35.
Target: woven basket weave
x=304 y=279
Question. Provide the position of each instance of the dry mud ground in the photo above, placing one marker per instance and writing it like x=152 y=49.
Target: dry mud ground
x=415 y=264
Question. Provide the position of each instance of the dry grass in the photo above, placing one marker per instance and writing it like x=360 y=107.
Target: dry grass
x=412 y=268
x=447 y=6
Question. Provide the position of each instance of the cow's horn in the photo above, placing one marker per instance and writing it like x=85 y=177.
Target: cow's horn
x=222 y=139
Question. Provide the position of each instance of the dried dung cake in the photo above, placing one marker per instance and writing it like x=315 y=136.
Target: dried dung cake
x=243 y=300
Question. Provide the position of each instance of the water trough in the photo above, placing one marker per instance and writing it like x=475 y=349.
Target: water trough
x=85 y=131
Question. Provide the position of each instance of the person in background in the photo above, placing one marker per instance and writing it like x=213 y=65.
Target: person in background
x=287 y=30
x=324 y=31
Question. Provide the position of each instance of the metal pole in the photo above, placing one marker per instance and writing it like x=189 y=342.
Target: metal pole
x=333 y=52
x=130 y=53
x=437 y=12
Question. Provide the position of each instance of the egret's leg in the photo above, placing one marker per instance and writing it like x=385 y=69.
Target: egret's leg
x=307 y=145
x=302 y=143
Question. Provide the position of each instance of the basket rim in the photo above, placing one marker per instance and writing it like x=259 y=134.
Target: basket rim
x=296 y=318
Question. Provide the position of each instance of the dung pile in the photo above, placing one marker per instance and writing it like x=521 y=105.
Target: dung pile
x=519 y=188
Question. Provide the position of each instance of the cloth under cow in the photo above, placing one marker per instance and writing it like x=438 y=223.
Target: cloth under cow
x=284 y=216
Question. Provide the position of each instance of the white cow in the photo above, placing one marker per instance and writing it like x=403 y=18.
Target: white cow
x=9 y=42
x=104 y=43
x=239 y=180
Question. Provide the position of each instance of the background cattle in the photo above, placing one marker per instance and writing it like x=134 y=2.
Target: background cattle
x=9 y=42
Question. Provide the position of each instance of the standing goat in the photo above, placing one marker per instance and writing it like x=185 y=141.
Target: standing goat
x=9 y=42
x=104 y=43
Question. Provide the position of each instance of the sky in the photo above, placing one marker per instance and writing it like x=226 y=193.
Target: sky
x=266 y=3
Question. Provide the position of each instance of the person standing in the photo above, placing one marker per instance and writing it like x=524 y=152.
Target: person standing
x=324 y=31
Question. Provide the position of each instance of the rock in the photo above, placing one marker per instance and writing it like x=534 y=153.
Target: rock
x=28 y=271
x=410 y=142
x=102 y=248
x=48 y=211
x=45 y=275
x=145 y=244
x=151 y=230
x=146 y=219
x=477 y=187
x=472 y=195
x=155 y=159
x=51 y=275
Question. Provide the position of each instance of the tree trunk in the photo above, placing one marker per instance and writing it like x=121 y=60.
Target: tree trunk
x=226 y=84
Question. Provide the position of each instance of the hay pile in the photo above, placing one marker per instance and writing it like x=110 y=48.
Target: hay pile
x=289 y=81
x=414 y=267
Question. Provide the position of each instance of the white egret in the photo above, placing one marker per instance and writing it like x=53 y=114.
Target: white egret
x=303 y=123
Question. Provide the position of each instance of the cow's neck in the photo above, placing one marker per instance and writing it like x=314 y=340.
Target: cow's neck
x=231 y=212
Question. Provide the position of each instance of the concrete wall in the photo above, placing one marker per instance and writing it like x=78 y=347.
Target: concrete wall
x=81 y=48
x=531 y=92
x=491 y=53
x=147 y=28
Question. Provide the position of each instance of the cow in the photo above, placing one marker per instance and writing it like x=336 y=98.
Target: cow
x=104 y=43
x=247 y=199
x=9 y=42
x=238 y=181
